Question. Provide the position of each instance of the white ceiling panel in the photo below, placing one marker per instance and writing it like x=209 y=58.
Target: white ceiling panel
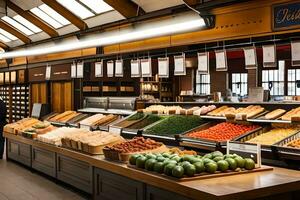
x=104 y=18
x=152 y=5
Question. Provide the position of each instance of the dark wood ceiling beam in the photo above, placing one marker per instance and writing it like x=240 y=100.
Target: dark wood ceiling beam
x=192 y=2
x=33 y=19
x=126 y=8
x=14 y=32
x=3 y=46
x=74 y=19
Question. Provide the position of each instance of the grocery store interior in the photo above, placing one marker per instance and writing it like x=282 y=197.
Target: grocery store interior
x=150 y=99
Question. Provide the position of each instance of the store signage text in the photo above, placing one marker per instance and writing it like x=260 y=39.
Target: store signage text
x=286 y=16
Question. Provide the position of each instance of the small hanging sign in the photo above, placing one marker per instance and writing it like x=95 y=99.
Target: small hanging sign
x=179 y=65
x=79 y=69
x=146 y=67
x=295 y=49
x=135 y=68
x=163 y=67
x=203 y=63
x=119 y=68
x=269 y=56
x=73 y=70
x=48 y=72
x=110 y=68
x=221 y=60
x=250 y=58
x=99 y=69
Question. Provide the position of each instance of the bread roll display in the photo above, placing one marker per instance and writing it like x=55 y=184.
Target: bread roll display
x=275 y=114
x=294 y=113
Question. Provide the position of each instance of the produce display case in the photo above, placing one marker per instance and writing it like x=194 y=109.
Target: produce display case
x=206 y=144
x=286 y=152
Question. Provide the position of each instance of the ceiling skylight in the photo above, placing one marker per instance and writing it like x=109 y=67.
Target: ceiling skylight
x=17 y=25
x=4 y=39
x=98 y=6
x=7 y=34
x=76 y=8
x=27 y=24
x=52 y=13
x=38 y=12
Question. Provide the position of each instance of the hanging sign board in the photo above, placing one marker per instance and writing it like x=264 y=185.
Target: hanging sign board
x=135 y=68
x=119 y=68
x=99 y=69
x=250 y=58
x=286 y=16
x=48 y=72
x=295 y=49
x=221 y=60
x=79 y=70
x=203 y=63
x=146 y=67
x=110 y=68
x=179 y=65
x=1 y=78
x=13 y=76
x=269 y=56
x=7 y=77
x=163 y=67
x=73 y=70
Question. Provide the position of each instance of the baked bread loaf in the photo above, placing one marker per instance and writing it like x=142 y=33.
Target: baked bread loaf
x=275 y=114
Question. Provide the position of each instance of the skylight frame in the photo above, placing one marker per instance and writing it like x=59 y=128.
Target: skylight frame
x=4 y=39
x=97 y=6
x=55 y=15
x=77 y=8
x=17 y=25
x=46 y=18
x=27 y=24
x=8 y=35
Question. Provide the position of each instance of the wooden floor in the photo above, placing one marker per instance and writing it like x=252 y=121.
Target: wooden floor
x=19 y=183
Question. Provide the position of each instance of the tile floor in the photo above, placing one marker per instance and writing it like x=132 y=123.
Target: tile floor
x=19 y=183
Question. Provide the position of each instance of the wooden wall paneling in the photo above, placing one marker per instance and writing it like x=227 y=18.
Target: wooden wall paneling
x=38 y=93
x=19 y=61
x=89 y=51
x=252 y=78
x=61 y=96
x=64 y=55
x=68 y=90
x=3 y=63
x=219 y=80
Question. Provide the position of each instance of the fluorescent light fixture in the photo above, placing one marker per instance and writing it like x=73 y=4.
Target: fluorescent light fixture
x=17 y=25
x=165 y=27
x=52 y=13
x=28 y=24
x=46 y=17
x=98 y=6
x=76 y=8
x=7 y=34
x=4 y=39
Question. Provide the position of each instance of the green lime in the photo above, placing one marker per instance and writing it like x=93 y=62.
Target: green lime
x=190 y=170
x=211 y=167
x=178 y=171
x=149 y=156
x=228 y=156
x=176 y=158
x=187 y=157
x=240 y=161
x=217 y=154
x=249 y=164
x=140 y=162
x=232 y=163
x=216 y=159
x=169 y=168
x=199 y=167
x=209 y=155
x=160 y=158
x=223 y=165
x=132 y=159
x=149 y=164
x=185 y=164
x=158 y=167
x=166 y=155
x=207 y=160
x=194 y=160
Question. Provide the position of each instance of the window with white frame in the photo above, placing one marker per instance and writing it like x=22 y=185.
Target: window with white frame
x=274 y=79
x=203 y=84
x=239 y=83
x=294 y=82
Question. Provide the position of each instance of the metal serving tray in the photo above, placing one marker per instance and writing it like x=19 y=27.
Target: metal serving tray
x=206 y=144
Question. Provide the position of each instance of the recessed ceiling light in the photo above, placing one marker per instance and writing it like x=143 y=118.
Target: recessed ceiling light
x=28 y=24
x=76 y=8
x=38 y=12
x=52 y=13
x=17 y=25
x=99 y=6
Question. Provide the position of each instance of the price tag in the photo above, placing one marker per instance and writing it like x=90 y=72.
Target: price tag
x=99 y=69
x=221 y=60
x=245 y=150
x=163 y=67
x=48 y=72
x=135 y=68
x=115 y=130
x=179 y=65
x=85 y=127
x=203 y=63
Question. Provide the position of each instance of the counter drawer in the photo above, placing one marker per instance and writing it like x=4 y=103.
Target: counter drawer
x=110 y=186
x=19 y=152
x=74 y=172
x=44 y=161
x=154 y=193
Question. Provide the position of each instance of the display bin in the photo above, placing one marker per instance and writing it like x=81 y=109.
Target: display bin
x=19 y=152
x=44 y=161
x=205 y=144
x=285 y=152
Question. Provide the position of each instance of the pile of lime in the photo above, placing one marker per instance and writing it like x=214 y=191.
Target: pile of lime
x=190 y=165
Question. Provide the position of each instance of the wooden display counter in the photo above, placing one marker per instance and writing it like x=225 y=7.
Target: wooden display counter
x=111 y=180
